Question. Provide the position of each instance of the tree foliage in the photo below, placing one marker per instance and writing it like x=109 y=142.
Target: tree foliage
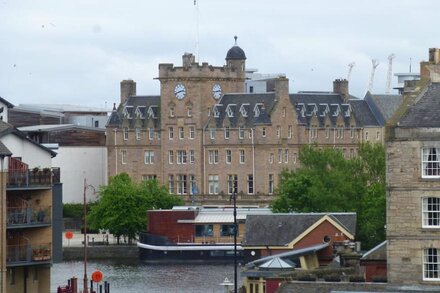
x=326 y=182
x=122 y=205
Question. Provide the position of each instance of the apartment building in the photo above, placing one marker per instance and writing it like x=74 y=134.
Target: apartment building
x=204 y=136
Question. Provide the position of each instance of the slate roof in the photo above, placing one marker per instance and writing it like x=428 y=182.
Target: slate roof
x=137 y=109
x=379 y=252
x=383 y=106
x=281 y=229
x=8 y=104
x=363 y=114
x=257 y=107
x=4 y=151
x=236 y=53
x=426 y=110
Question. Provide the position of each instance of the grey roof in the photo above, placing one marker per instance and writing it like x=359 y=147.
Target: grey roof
x=61 y=108
x=236 y=53
x=379 y=252
x=58 y=127
x=281 y=229
x=137 y=110
x=6 y=128
x=426 y=110
x=7 y=103
x=383 y=106
x=4 y=151
x=263 y=103
x=363 y=114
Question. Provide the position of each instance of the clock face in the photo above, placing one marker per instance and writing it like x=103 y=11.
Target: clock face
x=180 y=91
x=216 y=91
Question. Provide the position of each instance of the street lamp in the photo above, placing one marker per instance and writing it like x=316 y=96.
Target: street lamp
x=85 y=231
x=234 y=198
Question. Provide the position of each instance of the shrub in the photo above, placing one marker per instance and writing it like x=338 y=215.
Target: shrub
x=379 y=279
x=307 y=278
x=357 y=279
x=332 y=278
x=75 y=210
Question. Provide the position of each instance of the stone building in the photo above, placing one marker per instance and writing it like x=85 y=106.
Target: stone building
x=413 y=173
x=205 y=135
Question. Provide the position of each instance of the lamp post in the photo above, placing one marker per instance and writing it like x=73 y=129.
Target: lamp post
x=234 y=198
x=85 y=233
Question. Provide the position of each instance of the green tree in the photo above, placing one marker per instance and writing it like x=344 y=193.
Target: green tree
x=122 y=205
x=326 y=182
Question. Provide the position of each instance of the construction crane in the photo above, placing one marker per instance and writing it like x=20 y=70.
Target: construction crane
x=350 y=68
x=390 y=72
x=375 y=63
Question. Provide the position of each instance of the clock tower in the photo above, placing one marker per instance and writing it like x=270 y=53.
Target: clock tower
x=187 y=94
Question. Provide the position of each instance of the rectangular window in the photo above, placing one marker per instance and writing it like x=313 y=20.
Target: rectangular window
x=240 y=132
x=213 y=184
x=295 y=158
x=192 y=132
x=250 y=133
x=242 y=158
x=263 y=132
x=430 y=163
x=148 y=177
x=192 y=184
x=271 y=184
x=149 y=157
x=150 y=133
x=213 y=156
x=181 y=184
x=125 y=133
x=284 y=111
x=171 y=112
x=204 y=230
x=192 y=157
x=228 y=156
x=212 y=133
x=327 y=131
x=430 y=264
x=124 y=157
x=431 y=212
x=366 y=135
x=378 y=135
x=289 y=132
x=181 y=157
x=280 y=156
x=181 y=133
x=226 y=132
x=271 y=155
x=227 y=230
x=352 y=132
x=170 y=157
x=278 y=131
x=171 y=183
x=189 y=111
x=286 y=156
x=138 y=133
x=250 y=181
x=170 y=133
x=232 y=184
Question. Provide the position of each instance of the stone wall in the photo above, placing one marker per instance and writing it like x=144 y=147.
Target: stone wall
x=102 y=252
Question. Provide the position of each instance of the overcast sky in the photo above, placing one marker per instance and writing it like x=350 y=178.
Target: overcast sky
x=78 y=51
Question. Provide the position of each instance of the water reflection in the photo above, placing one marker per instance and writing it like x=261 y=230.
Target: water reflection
x=133 y=277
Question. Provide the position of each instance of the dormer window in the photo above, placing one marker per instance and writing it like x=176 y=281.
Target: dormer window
x=257 y=108
x=217 y=111
x=243 y=110
x=337 y=109
x=139 y=112
x=302 y=109
x=230 y=111
x=151 y=113
x=127 y=112
x=347 y=110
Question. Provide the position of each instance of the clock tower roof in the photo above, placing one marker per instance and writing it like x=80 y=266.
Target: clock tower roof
x=236 y=53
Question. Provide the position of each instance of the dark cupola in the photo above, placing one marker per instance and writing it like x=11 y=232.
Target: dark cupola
x=235 y=58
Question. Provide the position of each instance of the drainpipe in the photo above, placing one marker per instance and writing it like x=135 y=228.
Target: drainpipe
x=116 y=155
x=3 y=224
x=253 y=161
x=204 y=161
x=334 y=137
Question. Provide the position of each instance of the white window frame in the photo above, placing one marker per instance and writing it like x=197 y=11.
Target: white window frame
x=280 y=156
x=170 y=133
x=181 y=133
x=212 y=133
x=192 y=132
x=286 y=156
x=213 y=184
x=170 y=157
x=171 y=184
x=240 y=132
x=289 y=131
x=430 y=166
x=125 y=133
x=278 y=131
x=189 y=111
x=431 y=212
x=250 y=184
x=138 y=133
x=232 y=183
x=181 y=180
x=271 y=156
x=271 y=184
x=192 y=156
x=242 y=156
x=227 y=132
x=181 y=157
x=431 y=266
x=377 y=135
x=150 y=133
x=149 y=157
x=171 y=111
x=228 y=156
x=123 y=157
x=212 y=157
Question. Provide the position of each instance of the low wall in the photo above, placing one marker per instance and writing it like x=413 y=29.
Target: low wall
x=102 y=252
x=327 y=287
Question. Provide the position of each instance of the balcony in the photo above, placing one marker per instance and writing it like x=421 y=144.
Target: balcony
x=33 y=178
x=28 y=254
x=28 y=217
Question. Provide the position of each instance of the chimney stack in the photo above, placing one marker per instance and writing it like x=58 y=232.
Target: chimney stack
x=281 y=87
x=340 y=86
x=188 y=59
x=128 y=89
x=431 y=69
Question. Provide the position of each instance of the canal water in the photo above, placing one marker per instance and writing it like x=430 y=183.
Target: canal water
x=135 y=277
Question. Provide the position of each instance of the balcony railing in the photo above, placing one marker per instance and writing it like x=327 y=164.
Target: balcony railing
x=28 y=216
x=28 y=253
x=34 y=177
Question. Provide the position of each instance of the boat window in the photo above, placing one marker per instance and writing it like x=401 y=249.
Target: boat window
x=204 y=230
